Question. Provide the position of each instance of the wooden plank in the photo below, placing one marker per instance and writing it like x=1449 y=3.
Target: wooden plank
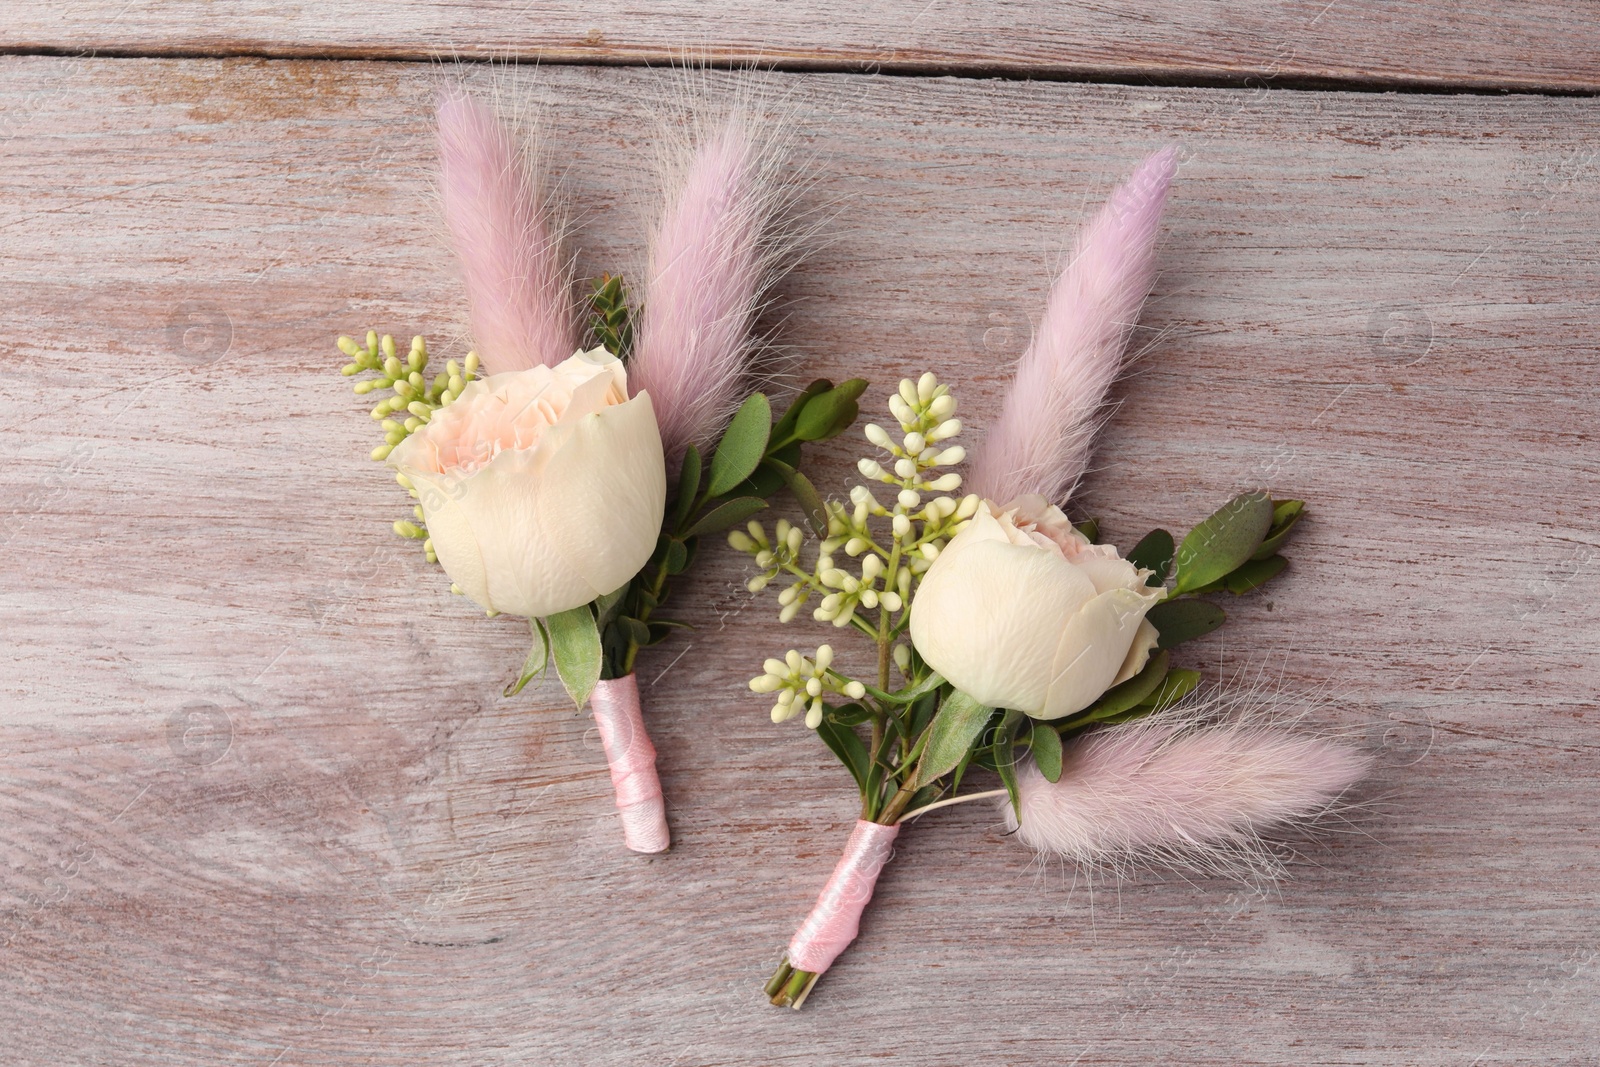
x=262 y=803
x=1540 y=45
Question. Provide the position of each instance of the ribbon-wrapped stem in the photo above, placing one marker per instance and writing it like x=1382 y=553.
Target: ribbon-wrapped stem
x=632 y=759
x=835 y=919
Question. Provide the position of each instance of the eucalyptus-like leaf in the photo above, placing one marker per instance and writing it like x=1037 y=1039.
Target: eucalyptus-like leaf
x=538 y=657
x=575 y=647
x=1254 y=574
x=1223 y=541
x=677 y=560
x=1184 y=620
x=688 y=487
x=958 y=723
x=1285 y=514
x=1154 y=552
x=606 y=608
x=743 y=444
x=783 y=432
x=725 y=515
x=1046 y=745
x=851 y=714
x=829 y=414
x=910 y=694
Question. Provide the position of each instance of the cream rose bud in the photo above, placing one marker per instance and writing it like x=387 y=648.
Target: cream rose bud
x=1021 y=611
x=542 y=488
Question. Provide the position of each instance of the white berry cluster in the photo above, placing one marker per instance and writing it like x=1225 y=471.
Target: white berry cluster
x=799 y=681
x=895 y=538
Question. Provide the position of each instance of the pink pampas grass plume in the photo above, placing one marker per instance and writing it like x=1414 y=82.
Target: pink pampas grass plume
x=1181 y=789
x=1041 y=441
x=710 y=265
x=518 y=289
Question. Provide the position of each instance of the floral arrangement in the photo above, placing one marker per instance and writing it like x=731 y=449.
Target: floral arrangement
x=1008 y=640
x=540 y=467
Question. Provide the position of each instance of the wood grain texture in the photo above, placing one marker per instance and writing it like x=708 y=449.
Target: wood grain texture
x=261 y=801
x=1538 y=44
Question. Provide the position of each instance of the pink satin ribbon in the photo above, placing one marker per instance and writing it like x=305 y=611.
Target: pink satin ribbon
x=633 y=764
x=836 y=917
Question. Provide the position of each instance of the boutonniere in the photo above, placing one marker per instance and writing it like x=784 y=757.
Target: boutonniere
x=539 y=463
x=1007 y=640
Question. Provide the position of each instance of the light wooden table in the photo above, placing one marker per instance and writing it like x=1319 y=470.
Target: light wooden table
x=262 y=803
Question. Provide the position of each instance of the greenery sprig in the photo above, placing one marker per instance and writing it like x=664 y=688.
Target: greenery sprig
x=410 y=392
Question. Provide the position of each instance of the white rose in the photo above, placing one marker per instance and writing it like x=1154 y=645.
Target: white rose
x=1021 y=611
x=542 y=488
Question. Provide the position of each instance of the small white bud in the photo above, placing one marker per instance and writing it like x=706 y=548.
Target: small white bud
x=854 y=547
x=909 y=498
x=830 y=604
x=942 y=407
x=890 y=601
x=945 y=483
x=792 y=658
x=795 y=539
x=905 y=468
x=869 y=599
x=786 y=697
x=947 y=428
x=902 y=411
x=814 y=716
x=870 y=468
x=861 y=495
x=781 y=712
x=775 y=667
x=789 y=612
x=766 y=684
x=969 y=506
x=878 y=435
x=758 y=583
x=930 y=552
x=824 y=657
x=782 y=530
x=908 y=391
x=787 y=596
x=902 y=526
x=871 y=567
x=814 y=687
x=764 y=558
x=825 y=563
x=855 y=690
x=757 y=533
x=951 y=456
x=902 y=657
x=915 y=442
x=925 y=387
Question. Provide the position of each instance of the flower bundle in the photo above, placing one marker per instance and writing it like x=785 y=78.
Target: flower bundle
x=1006 y=639
x=540 y=468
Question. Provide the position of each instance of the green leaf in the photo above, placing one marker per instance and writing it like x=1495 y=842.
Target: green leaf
x=1184 y=620
x=1255 y=574
x=851 y=714
x=637 y=631
x=1046 y=745
x=829 y=414
x=1285 y=513
x=743 y=444
x=784 y=430
x=845 y=743
x=538 y=657
x=804 y=492
x=912 y=694
x=958 y=723
x=1223 y=541
x=1173 y=688
x=606 y=608
x=1120 y=698
x=688 y=487
x=725 y=515
x=575 y=646
x=1005 y=765
x=677 y=557
x=1090 y=528
x=1154 y=552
